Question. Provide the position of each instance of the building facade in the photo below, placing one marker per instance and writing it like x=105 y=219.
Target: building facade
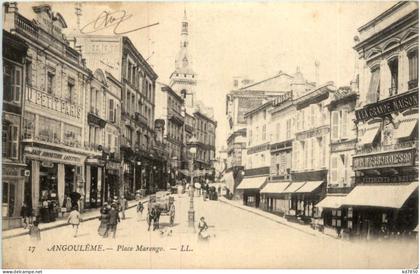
x=54 y=113
x=13 y=166
x=118 y=56
x=386 y=157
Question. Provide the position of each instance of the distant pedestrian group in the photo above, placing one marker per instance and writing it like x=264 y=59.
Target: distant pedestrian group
x=153 y=216
x=109 y=220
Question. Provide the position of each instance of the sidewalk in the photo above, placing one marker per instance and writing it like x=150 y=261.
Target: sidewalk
x=303 y=228
x=86 y=216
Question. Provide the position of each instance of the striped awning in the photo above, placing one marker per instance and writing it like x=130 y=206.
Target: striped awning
x=293 y=187
x=331 y=202
x=252 y=182
x=275 y=188
x=309 y=186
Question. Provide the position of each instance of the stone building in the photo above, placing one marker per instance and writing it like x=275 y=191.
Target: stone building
x=386 y=157
x=13 y=166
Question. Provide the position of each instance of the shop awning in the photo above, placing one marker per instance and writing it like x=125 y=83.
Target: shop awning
x=380 y=195
x=406 y=127
x=309 y=186
x=369 y=135
x=252 y=182
x=275 y=188
x=331 y=202
x=293 y=187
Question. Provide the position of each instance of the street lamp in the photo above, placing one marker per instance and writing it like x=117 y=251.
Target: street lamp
x=192 y=143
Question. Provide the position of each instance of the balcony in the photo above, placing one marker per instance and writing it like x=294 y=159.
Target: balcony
x=141 y=119
x=413 y=83
x=175 y=116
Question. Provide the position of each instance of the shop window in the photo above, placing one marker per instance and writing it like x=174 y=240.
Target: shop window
x=349 y=224
x=49 y=130
x=50 y=82
x=393 y=67
x=413 y=68
x=72 y=135
x=28 y=125
x=374 y=86
x=338 y=224
x=8 y=199
x=12 y=83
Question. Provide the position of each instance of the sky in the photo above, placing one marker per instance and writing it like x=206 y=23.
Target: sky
x=227 y=39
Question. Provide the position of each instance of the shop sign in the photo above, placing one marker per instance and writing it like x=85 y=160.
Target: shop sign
x=385 y=107
x=317 y=132
x=52 y=156
x=95 y=161
x=53 y=103
x=95 y=120
x=387 y=179
x=383 y=160
x=10 y=171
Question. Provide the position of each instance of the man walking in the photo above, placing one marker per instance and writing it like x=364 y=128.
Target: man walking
x=74 y=219
x=151 y=216
x=172 y=214
x=114 y=219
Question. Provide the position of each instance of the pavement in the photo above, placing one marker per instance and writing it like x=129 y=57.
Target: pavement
x=240 y=238
x=62 y=221
x=303 y=228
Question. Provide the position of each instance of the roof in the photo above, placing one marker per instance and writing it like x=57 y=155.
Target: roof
x=273 y=83
x=141 y=58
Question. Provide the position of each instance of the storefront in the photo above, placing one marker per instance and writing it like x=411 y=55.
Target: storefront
x=331 y=214
x=273 y=199
x=56 y=181
x=95 y=183
x=12 y=194
x=250 y=187
x=112 y=180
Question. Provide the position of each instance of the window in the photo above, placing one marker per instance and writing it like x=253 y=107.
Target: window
x=128 y=102
x=8 y=199
x=28 y=125
x=393 y=67
x=289 y=129
x=335 y=132
x=374 y=86
x=334 y=165
x=70 y=89
x=10 y=140
x=72 y=135
x=413 y=65
x=112 y=113
x=50 y=82
x=344 y=130
x=12 y=82
x=49 y=130
x=264 y=132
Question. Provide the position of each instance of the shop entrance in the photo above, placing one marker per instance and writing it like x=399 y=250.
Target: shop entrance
x=69 y=183
x=48 y=191
x=95 y=194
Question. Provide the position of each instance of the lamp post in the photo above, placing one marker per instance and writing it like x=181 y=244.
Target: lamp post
x=192 y=143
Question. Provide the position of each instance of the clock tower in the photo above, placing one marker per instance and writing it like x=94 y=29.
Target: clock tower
x=183 y=79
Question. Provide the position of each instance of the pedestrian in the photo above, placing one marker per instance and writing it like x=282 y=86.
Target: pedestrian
x=68 y=204
x=114 y=219
x=150 y=216
x=104 y=218
x=140 y=209
x=156 y=219
x=34 y=231
x=24 y=215
x=172 y=214
x=202 y=229
x=74 y=219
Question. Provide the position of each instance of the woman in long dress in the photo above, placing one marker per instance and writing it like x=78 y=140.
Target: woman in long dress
x=103 y=226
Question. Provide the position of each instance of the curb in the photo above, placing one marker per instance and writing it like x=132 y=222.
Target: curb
x=65 y=224
x=271 y=219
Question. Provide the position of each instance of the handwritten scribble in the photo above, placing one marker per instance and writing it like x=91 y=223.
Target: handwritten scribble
x=113 y=19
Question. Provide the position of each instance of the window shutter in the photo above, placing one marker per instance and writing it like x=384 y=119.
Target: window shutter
x=17 y=84
x=333 y=176
x=111 y=110
x=344 y=124
x=335 y=125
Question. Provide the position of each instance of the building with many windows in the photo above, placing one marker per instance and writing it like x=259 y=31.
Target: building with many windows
x=386 y=157
x=54 y=112
x=13 y=166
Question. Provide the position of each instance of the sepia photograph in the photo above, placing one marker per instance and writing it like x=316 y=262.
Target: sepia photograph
x=210 y=135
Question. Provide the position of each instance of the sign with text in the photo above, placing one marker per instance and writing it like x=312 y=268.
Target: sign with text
x=387 y=179
x=53 y=103
x=383 y=160
x=47 y=155
x=385 y=107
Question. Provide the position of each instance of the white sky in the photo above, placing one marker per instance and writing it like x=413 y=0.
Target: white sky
x=231 y=39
